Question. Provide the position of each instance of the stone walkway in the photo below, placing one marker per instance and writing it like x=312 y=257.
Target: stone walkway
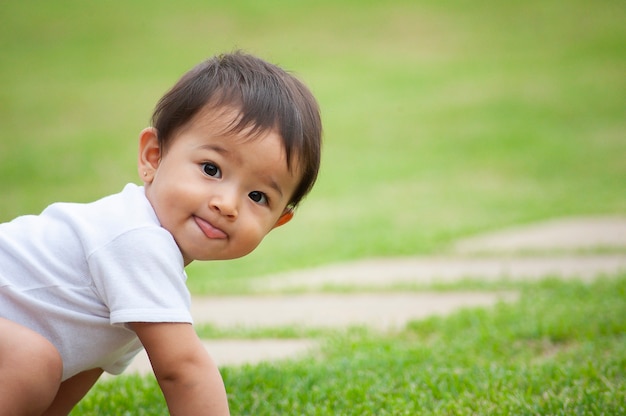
x=582 y=248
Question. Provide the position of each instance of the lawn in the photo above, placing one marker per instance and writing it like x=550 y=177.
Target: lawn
x=442 y=119
x=534 y=357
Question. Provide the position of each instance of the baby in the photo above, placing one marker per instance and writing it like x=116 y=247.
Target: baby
x=233 y=148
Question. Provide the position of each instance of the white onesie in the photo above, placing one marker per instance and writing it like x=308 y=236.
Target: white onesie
x=79 y=273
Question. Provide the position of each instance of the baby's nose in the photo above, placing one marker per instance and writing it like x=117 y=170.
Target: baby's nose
x=225 y=204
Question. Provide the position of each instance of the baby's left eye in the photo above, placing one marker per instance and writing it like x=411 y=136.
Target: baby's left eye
x=258 y=197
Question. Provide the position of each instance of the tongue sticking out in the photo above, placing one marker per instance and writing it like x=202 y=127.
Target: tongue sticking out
x=209 y=230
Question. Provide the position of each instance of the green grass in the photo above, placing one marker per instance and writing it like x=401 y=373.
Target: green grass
x=560 y=350
x=442 y=119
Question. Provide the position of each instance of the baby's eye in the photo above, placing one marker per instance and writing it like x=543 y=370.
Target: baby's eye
x=258 y=197
x=212 y=170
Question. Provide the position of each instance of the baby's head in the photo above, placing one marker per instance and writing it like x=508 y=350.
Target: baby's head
x=265 y=97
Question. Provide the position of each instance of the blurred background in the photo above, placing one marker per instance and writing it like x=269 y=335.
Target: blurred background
x=442 y=118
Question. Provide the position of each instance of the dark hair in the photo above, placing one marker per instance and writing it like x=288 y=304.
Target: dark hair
x=267 y=97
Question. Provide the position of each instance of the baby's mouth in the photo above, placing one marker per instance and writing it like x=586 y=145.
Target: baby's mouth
x=209 y=230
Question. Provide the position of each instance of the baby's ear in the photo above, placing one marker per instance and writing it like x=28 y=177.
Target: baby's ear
x=285 y=217
x=149 y=154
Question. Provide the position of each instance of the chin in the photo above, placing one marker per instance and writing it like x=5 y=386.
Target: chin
x=214 y=257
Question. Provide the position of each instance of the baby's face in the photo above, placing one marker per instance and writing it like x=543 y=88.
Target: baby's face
x=220 y=195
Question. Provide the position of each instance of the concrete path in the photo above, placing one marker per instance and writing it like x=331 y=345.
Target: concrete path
x=573 y=233
x=564 y=248
x=389 y=272
x=383 y=311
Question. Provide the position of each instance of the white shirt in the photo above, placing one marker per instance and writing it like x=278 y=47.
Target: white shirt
x=78 y=273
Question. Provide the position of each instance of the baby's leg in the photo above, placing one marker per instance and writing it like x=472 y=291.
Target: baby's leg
x=72 y=390
x=30 y=370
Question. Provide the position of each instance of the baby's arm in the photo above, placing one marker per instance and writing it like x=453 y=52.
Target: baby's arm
x=188 y=377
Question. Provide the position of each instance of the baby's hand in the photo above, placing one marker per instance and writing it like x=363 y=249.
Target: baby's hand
x=187 y=375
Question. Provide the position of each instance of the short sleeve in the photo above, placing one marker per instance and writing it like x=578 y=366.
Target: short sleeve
x=140 y=277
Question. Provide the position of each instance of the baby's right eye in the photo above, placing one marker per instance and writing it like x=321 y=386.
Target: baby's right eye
x=211 y=170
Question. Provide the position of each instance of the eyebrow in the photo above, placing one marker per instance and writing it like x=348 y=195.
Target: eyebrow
x=218 y=149
x=274 y=185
